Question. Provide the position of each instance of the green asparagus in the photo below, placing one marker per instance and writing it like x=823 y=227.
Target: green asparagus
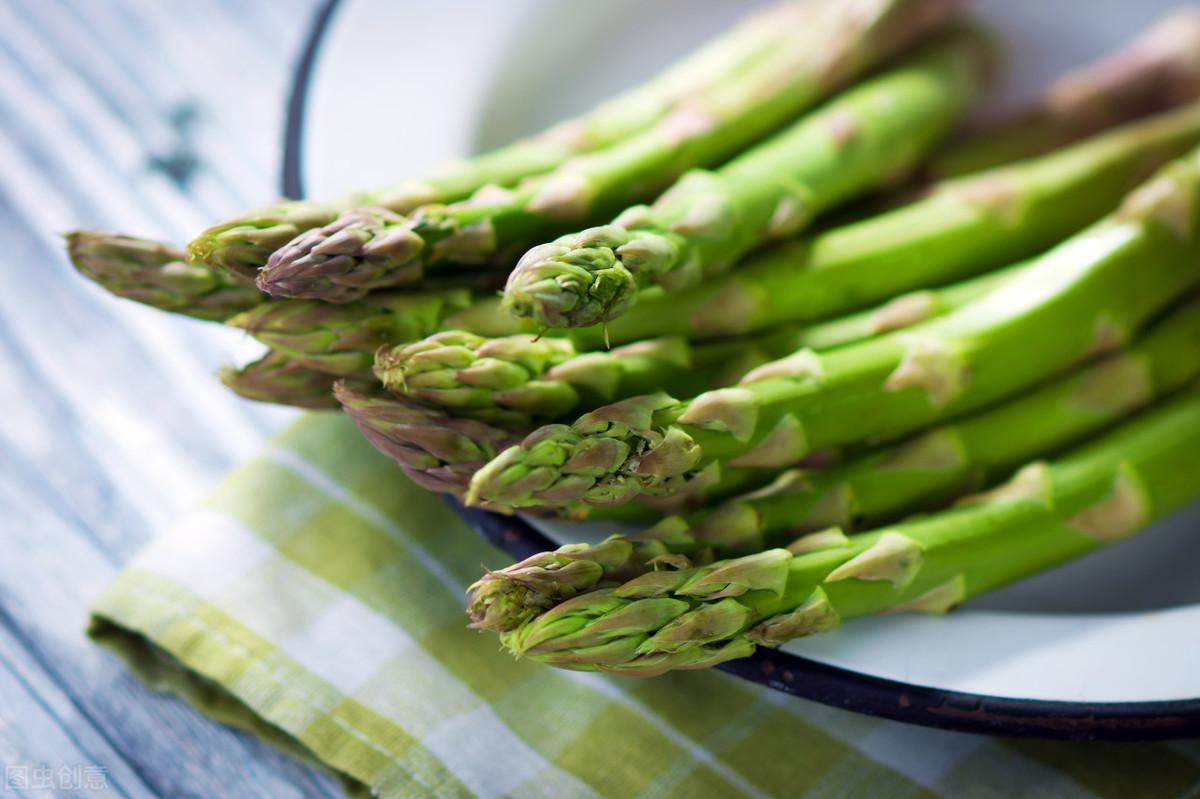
x=281 y=380
x=702 y=225
x=312 y=330
x=1158 y=70
x=1046 y=514
x=835 y=43
x=342 y=340
x=157 y=275
x=520 y=380
x=242 y=245
x=876 y=488
x=440 y=452
x=904 y=310
x=1084 y=297
x=437 y=451
x=964 y=227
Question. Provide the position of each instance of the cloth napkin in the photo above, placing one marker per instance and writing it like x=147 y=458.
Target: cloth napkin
x=316 y=600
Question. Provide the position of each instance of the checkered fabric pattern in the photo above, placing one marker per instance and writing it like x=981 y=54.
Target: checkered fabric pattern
x=317 y=600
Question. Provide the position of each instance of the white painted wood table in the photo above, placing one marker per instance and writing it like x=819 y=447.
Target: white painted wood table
x=151 y=117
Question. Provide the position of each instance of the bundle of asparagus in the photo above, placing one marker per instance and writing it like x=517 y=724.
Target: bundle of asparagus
x=876 y=487
x=697 y=616
x=767 y=404
x=1087 y=295
x=359 y=251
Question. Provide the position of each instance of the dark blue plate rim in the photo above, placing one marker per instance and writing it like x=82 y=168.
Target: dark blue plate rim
x=798 y=676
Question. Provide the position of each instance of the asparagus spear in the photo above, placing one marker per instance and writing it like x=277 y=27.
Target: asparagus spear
x=1158 y=70
x=1047 y=514
x=513 y=380
x=242 y=245
x=442 y=450
x=279 y=379
x=835 y=43
x=341 y=340
x=709 y=219
x=872 y=489
x=1083 y=297
x=520 y=380
x=157 y=275
x=905 y=310
x=963 y=227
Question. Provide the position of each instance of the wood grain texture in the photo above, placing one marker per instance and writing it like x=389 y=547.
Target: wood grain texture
x=151 y=118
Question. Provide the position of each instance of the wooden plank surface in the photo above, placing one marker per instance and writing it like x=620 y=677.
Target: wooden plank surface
x=151 y=117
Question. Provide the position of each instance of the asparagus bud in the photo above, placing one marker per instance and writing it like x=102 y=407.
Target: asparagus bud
x=332 y=262
x=438 y=451
x=158 y=275
x=279 y=379
x=342 y=339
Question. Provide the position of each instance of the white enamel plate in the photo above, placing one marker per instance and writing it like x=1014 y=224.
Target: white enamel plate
x=1108 y=647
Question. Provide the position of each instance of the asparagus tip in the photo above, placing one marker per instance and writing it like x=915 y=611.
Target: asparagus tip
x=608 y=456
x=576 y=284
x=360 y=250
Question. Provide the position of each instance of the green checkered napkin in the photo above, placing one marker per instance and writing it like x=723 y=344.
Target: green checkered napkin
x=316 y=599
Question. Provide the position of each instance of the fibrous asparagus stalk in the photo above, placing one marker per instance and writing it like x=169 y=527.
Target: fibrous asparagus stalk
x=703 y=224
x=342 y=339
x=833 y=43
x=1046 y=514
x=242 y=245
x=279 y=379
x=905 y=310
x=158 y=275
x=964 y=227
x=1082 y=298
x=869 y=490
x=1158 y=70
